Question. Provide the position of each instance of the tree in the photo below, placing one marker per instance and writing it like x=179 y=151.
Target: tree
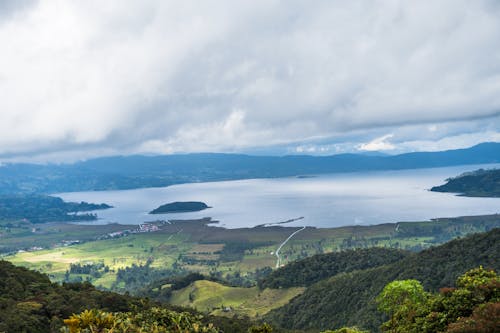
x=403 y=301
x=474 y=306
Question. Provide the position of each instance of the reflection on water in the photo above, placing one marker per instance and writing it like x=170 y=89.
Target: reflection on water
x=323 y=201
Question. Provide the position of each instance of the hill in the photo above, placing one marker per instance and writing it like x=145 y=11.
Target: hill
x=127 y=172
x=303 y=273
x=218 y=299
x=479 y=183
x=29 y=302
x=44 y=208
x=347 y=299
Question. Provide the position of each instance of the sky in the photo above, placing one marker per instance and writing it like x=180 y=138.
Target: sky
x=81 y=79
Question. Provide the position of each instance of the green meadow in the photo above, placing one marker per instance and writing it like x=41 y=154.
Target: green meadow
x=193 y=246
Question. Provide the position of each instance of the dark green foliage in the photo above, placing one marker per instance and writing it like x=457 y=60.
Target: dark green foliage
x=44 y=208
x=446 y=229
x=264 y=328
x=154 y=320
x=480 y=183
x=29 y=302
x=234 y=251
x=94 y=270
x=346 y=330
x=484 y=318
x=349 y=298
x=180 y=207
x=471 y=307
x=184 y=281
x=135 y=277
x=303 y=273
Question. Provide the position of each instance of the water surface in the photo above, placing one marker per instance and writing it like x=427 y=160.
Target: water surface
x=332 y=200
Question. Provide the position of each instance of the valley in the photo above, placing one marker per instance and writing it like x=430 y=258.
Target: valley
x=262 y=272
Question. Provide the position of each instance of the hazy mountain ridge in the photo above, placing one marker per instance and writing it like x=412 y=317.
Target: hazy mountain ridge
x=128 y=172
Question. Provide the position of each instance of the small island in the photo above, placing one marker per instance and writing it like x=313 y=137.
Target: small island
x=180 y=207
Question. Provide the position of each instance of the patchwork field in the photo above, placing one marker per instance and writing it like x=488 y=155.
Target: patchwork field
x=192 y=246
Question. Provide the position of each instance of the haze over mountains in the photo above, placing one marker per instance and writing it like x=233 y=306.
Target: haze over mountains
x=127 y=172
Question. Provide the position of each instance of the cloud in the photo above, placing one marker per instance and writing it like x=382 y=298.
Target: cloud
x=378 y=144
x=168 y=76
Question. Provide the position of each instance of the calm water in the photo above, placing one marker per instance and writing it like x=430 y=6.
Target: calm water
x=324 y=201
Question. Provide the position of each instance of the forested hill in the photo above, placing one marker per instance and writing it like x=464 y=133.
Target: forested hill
x=348 y=299
x=303 y=273
x=479 y=183
x=44 y=208
x=29 y=302
x=126 y=172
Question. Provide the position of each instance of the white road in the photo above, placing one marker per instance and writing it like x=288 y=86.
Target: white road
x=278 y=261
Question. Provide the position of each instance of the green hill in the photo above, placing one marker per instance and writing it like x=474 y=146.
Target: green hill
x=303 y=273
x=347 y=299
x=479 y=183
x=29 y=302
x=218 y=299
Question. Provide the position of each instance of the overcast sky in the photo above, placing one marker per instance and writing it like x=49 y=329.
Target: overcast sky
x=90 y=78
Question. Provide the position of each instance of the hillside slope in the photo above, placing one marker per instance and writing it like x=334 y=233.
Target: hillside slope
x=218 y=299
x=480 y=183
x=305 y=272
x=29 y=302
x=348 y=298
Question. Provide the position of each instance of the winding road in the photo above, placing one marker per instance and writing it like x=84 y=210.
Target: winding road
x=278 y=261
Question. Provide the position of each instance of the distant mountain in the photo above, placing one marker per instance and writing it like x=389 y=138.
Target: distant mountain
x=479 y=183
x=127 y=172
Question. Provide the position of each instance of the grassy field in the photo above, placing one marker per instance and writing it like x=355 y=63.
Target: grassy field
x=194 y=246
x=218 y=299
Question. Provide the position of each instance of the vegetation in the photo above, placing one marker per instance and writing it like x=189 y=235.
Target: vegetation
x=473 y=306
x=479 y=183
x=305 y=272
x=157 y=320
x=349 y=298
x=29 y=302
x=44 y=208
x=222 y=300
x=180 y=207
x=239 y=257
x=346 y=330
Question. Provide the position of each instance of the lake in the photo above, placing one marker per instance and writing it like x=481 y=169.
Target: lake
x=323 y=201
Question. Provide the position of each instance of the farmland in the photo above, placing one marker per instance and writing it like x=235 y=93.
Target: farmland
x=193 y=246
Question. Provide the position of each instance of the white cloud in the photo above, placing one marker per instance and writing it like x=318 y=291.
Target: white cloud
x=378 y=144
x=168 y=76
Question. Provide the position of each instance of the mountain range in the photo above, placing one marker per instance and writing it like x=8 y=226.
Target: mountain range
x=138 y=171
